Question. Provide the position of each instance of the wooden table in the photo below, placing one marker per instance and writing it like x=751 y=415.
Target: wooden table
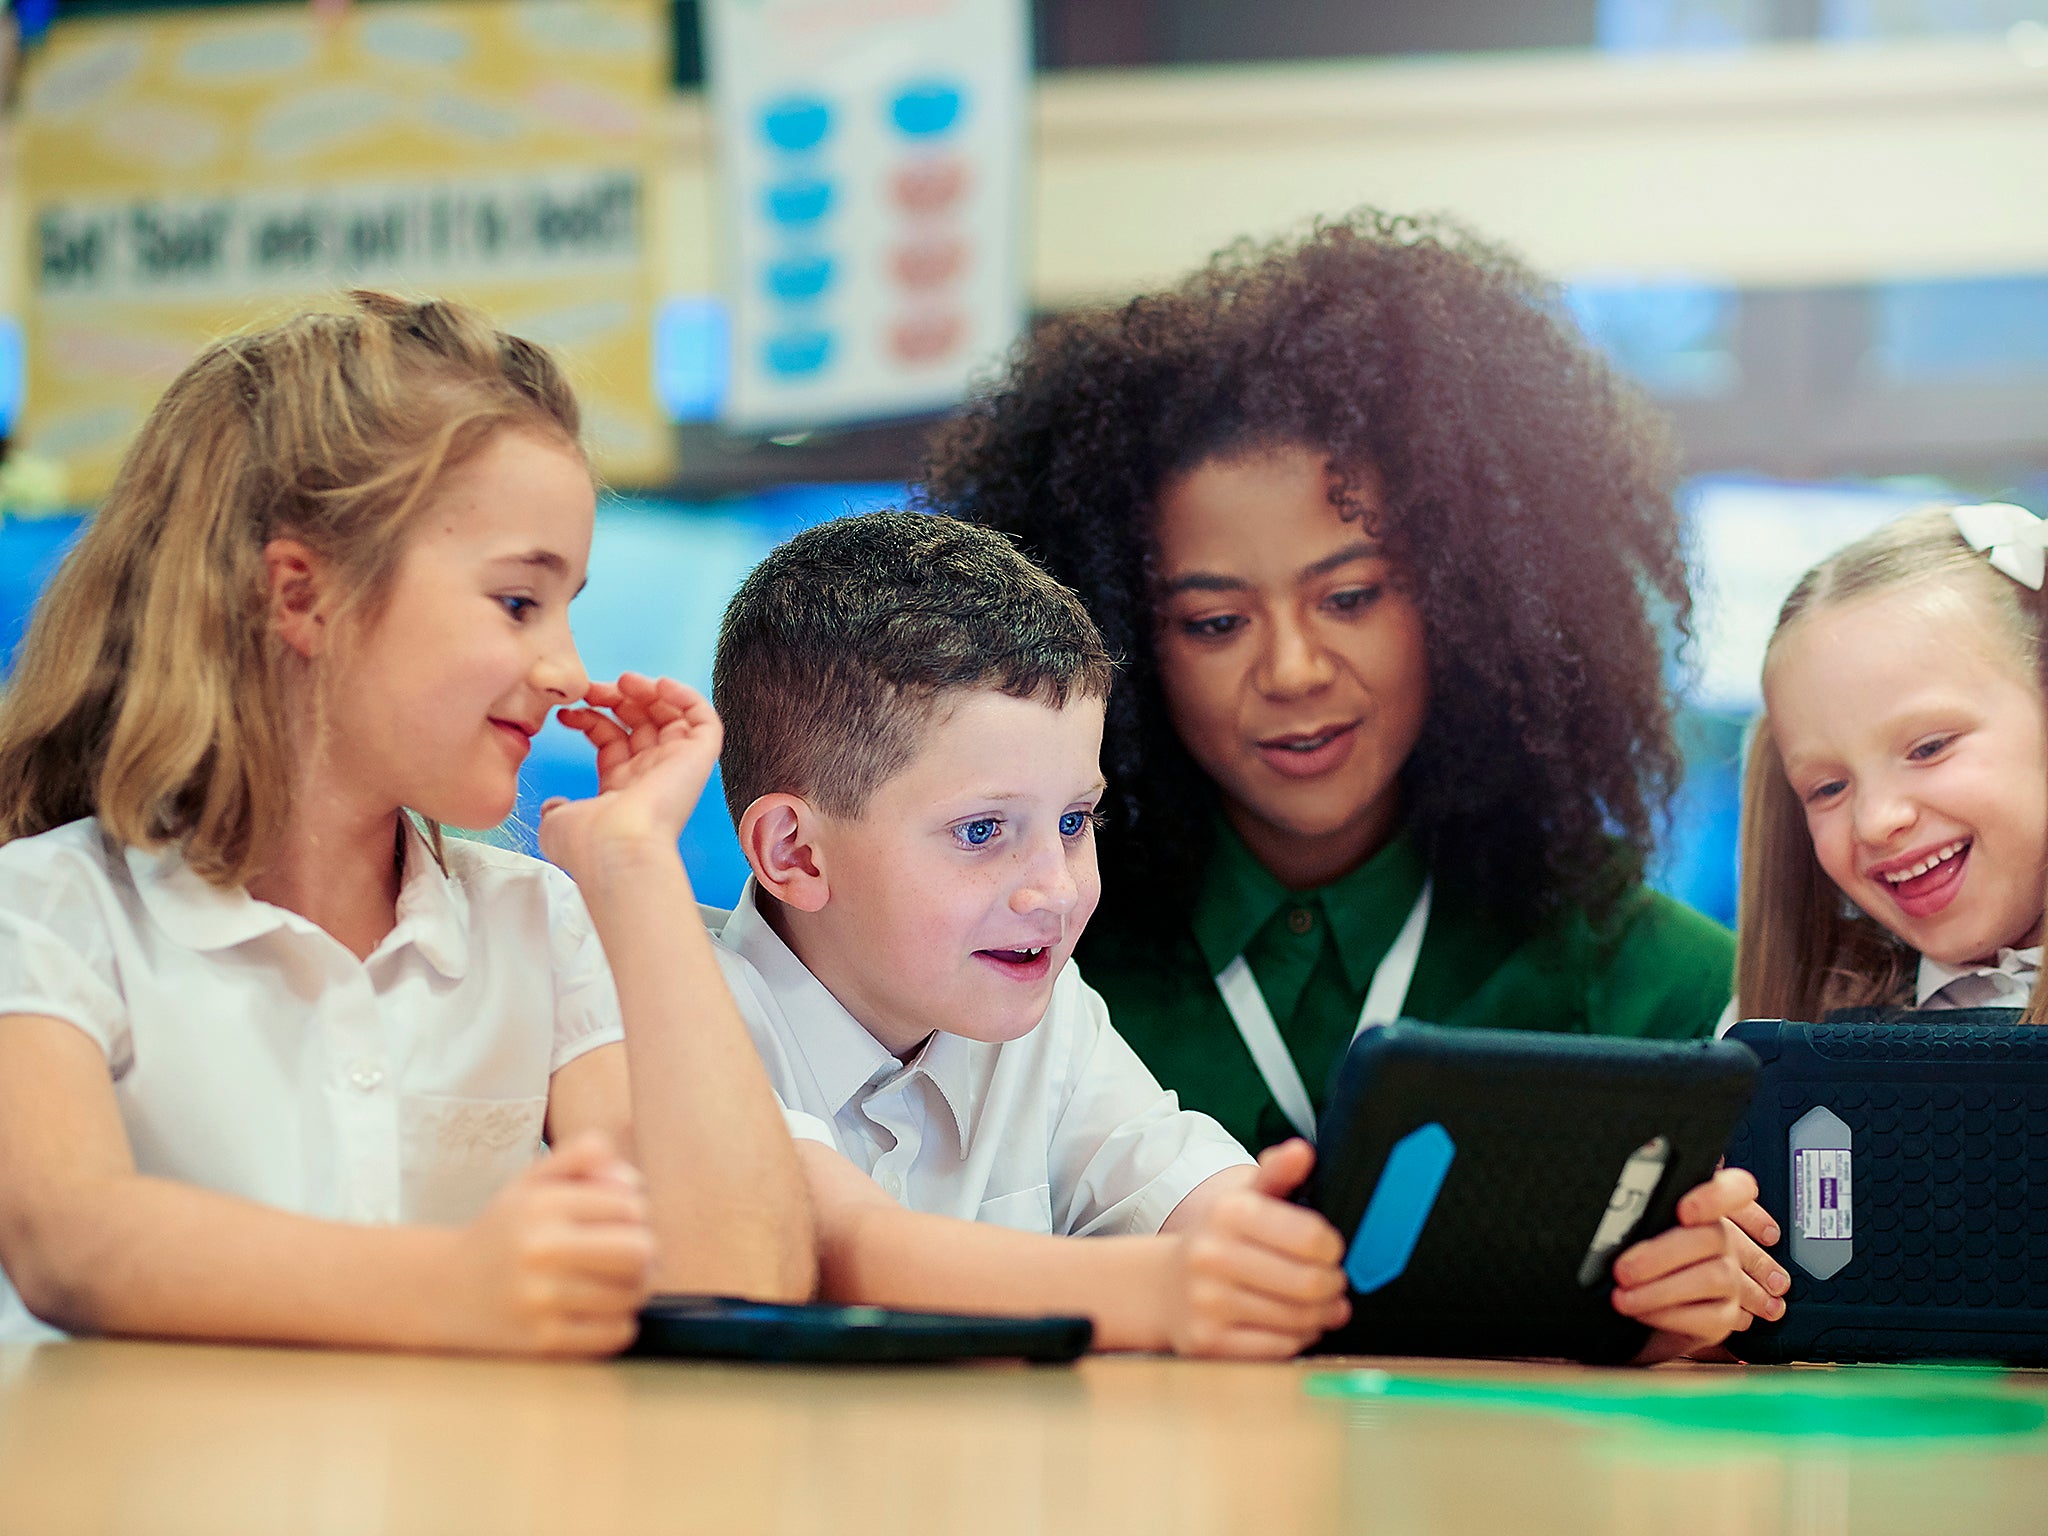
x=147 y=1438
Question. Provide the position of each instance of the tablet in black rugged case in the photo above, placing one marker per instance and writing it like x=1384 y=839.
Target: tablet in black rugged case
x=728 y=1328
x=1906 y=1165
x=1495 y=1154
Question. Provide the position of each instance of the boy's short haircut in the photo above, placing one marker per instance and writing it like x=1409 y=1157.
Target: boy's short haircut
x=837 y=650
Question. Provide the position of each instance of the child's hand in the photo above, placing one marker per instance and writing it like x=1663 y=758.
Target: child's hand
x=657 y=742
x=1257 y=1278
x=1686 y=1283
x=560 y=1260
x=1765 y=1280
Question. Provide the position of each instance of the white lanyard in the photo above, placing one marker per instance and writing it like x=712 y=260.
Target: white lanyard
x=1384 y=1000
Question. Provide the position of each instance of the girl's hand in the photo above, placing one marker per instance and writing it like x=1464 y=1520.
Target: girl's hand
x=1766 y=1281
x=657 y=742
x=1257 y=1278
x=1686 y=1283
x=561 y=1259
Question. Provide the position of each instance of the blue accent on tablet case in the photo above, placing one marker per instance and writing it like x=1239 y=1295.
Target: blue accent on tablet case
x=1400 y=1206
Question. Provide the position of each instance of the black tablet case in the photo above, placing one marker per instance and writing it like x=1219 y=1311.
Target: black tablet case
x=1542 y=1125
x=1948 y=1191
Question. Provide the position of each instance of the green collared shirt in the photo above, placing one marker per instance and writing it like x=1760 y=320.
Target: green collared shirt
x=1653 y=968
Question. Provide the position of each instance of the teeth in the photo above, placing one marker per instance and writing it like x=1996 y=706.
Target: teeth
x=1304 y=746
x=1939 y=856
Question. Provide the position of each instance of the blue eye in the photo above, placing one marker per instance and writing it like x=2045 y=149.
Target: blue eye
x=520 y=608
x=1074 y=823
x=977 y=833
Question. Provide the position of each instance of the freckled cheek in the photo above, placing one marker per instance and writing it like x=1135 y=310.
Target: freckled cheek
x=1088 y=887
x=951 y=916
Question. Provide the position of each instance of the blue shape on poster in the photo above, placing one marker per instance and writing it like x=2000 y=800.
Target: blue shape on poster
x=796 y=279
x=927 y=108
x=802 y=201
x=794 y=354
x=796 y=123
x=692 y=357
x=1399 y=1208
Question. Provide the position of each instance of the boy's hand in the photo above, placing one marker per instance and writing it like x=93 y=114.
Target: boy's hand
x=1257 y=1278
x=657 y=742
x=1686 y=1283
x=560 y=1260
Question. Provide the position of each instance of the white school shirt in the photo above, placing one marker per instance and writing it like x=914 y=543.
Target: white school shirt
x=1062 y=1130
x=2005 y=983
x=252 y=1053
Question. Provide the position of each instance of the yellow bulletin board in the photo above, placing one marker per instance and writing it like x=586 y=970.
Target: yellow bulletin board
x=191 y=173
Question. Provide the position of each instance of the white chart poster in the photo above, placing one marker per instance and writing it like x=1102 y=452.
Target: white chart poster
x=870 y=157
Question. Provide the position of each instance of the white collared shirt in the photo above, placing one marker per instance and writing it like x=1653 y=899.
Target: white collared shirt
x=252 y=1053
x=2005 y=983
x=1062 y=1130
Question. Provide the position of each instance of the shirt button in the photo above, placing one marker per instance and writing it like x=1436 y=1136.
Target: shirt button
x=366 y=1075
x=1300 y=920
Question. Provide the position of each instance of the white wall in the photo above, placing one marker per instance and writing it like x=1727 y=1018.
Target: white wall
x=1788 y=164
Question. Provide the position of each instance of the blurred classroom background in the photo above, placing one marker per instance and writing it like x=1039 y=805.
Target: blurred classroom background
x=777 y=238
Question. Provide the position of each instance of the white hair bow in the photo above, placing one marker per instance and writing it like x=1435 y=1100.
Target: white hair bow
x=2015 y=537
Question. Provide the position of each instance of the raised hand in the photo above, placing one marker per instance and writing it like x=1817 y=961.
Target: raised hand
x=1257 y=1278
x=657 y=742
x=560 y=1260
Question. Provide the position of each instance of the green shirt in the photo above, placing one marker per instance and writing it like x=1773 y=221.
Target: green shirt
x=1653 y=968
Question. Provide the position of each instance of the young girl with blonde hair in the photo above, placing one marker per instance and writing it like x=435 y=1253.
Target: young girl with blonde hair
x=1895 y=812
x=276 y=1062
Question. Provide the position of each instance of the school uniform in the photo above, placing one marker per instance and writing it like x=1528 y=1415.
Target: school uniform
x=252 y=1053
x=1062 y=1130
x=1652 y=968
x=2006 y=982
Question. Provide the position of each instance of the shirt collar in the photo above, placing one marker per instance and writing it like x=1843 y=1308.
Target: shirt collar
x=429 y=917
x=1365 y=908
x=2023 y=965
x=843 y=1057
x=205 y=917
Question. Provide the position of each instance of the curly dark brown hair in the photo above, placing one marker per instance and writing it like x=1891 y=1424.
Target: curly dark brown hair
x=1528 y=496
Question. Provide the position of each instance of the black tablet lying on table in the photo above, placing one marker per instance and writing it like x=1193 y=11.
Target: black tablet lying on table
x=1905 y=1159
x=1484 y=1181
x=728 y=1328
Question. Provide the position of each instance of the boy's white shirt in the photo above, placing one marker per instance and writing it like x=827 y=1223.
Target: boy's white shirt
x=253 y=1054
x=1063 y=1130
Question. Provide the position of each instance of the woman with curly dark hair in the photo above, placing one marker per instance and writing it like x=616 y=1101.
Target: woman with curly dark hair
x=1383 y=546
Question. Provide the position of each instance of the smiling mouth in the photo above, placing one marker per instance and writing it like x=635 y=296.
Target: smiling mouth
x=1305 y=744
x=1927 y=887
x=1933 y=861
x=1015 y=956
